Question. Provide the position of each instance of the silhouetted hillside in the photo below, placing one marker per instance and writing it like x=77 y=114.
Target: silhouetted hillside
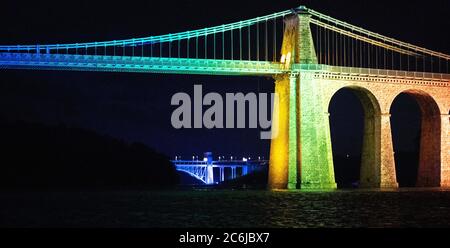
x=33 y=155
x=255 y=180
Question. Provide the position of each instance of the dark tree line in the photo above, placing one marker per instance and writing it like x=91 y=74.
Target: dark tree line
x=34 y=155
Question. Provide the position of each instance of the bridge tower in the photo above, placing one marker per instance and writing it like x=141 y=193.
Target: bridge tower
x=300 y=154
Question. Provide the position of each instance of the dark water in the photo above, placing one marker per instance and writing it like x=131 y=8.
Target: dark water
x=227 y=208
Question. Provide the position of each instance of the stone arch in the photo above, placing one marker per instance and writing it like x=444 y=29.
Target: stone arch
x=429 y=170
x=370 y=168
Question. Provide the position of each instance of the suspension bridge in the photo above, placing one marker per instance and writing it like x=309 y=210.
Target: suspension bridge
x=310 y=56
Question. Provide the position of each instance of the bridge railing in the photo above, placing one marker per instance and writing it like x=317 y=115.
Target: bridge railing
x=383 y=73
x=147 y=64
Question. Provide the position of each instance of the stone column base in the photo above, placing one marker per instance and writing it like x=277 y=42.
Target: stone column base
x=445 y=184
x=389 y=185
x=276 y=186
x=318 y=186
x=385 y=185
x=292 y=186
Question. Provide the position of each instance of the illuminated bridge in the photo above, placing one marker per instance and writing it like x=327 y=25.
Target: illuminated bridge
x=214 y=172
x=310 y=57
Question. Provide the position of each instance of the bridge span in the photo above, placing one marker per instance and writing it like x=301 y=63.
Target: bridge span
x=210 y=172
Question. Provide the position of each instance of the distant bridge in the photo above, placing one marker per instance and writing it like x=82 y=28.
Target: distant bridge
x=214 y=172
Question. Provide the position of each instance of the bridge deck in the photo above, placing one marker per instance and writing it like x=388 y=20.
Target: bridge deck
x=137 y=64
x=199 y=66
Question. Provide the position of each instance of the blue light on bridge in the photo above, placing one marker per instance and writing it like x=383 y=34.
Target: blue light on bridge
x=211 y=172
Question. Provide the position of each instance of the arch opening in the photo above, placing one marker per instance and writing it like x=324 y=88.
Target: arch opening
x=416 y=127
x=355 y=131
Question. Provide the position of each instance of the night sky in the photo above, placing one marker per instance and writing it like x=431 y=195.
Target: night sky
x=136 y=107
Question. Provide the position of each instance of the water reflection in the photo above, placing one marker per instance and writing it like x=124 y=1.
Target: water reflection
x=227 y=208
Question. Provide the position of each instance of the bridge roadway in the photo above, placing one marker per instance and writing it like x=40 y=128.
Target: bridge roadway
x=104 y=63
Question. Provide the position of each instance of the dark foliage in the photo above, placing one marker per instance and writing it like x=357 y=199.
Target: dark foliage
x=34 y=155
